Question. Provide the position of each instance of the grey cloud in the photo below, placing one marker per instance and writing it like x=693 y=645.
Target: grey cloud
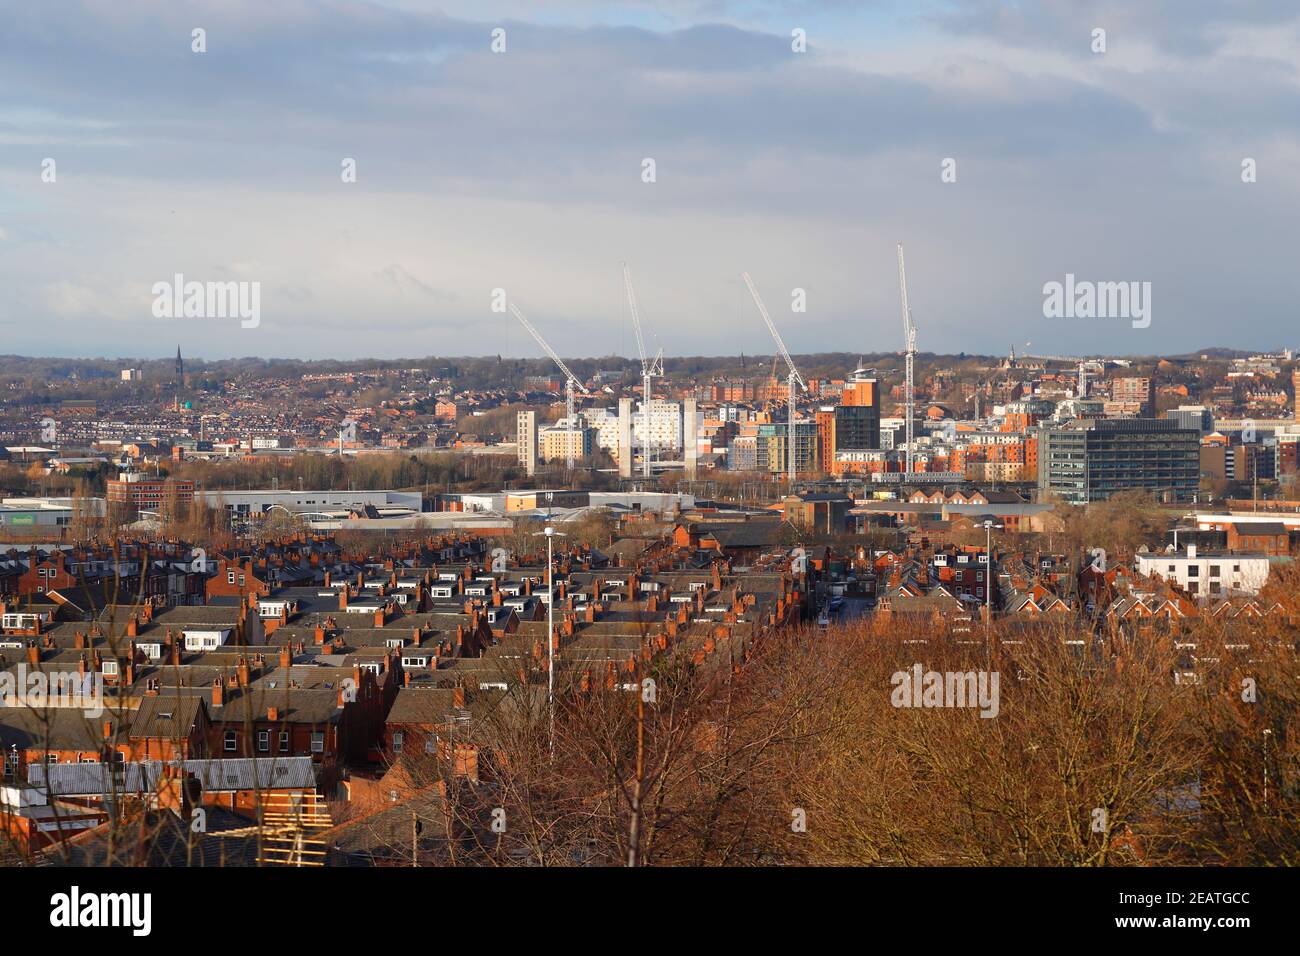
x=477 y=169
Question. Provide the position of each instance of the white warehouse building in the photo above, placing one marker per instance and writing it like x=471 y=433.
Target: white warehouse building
x=256 y=502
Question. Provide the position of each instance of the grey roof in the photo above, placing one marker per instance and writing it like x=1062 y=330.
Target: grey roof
x=169 y=718
x=1260 y=527
x=233 y=773
x=426 y=705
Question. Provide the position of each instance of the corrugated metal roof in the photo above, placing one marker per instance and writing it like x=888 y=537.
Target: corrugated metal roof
x=234 y=773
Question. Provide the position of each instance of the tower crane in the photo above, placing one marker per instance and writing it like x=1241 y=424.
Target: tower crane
x=909 y=331
x=793 y=377
x=650 y=368
x=570 y=380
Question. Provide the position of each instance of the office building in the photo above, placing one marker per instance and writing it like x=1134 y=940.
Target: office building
x=1090 y=460
x=526 y=441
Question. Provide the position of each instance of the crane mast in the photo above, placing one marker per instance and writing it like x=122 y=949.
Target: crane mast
x=649 y=369
x=570 y=380
x=793 y=378
x=909 y=331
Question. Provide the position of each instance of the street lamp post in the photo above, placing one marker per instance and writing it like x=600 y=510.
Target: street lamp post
x=988 y=589
x=550 y=534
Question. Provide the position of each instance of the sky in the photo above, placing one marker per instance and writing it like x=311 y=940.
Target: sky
x=127 y=158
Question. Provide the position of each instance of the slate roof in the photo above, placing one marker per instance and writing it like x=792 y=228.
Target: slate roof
x=422 y=705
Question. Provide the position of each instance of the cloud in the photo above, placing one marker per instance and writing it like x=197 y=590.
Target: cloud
x=522 y=170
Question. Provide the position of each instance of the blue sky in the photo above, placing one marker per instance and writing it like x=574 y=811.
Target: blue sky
x=522 y=170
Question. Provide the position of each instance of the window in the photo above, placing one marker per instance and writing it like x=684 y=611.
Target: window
x=397 y=742
x=1193 y=571
x=317 y=743
x=263 y=741
x=430 y=745
x=284 y=741
x=231 y=741
x=230 y=577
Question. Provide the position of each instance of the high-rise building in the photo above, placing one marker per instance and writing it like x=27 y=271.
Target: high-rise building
x=856 y=424
x=526 y=441
x=1090 y=460
x=623 y=449
x=857 y=427
x=805 y=448
x=861 y=389
x=742 y=454
x=690 y=436
x=665 y=428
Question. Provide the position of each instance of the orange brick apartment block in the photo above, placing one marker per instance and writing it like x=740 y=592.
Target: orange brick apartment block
x=148 y=494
